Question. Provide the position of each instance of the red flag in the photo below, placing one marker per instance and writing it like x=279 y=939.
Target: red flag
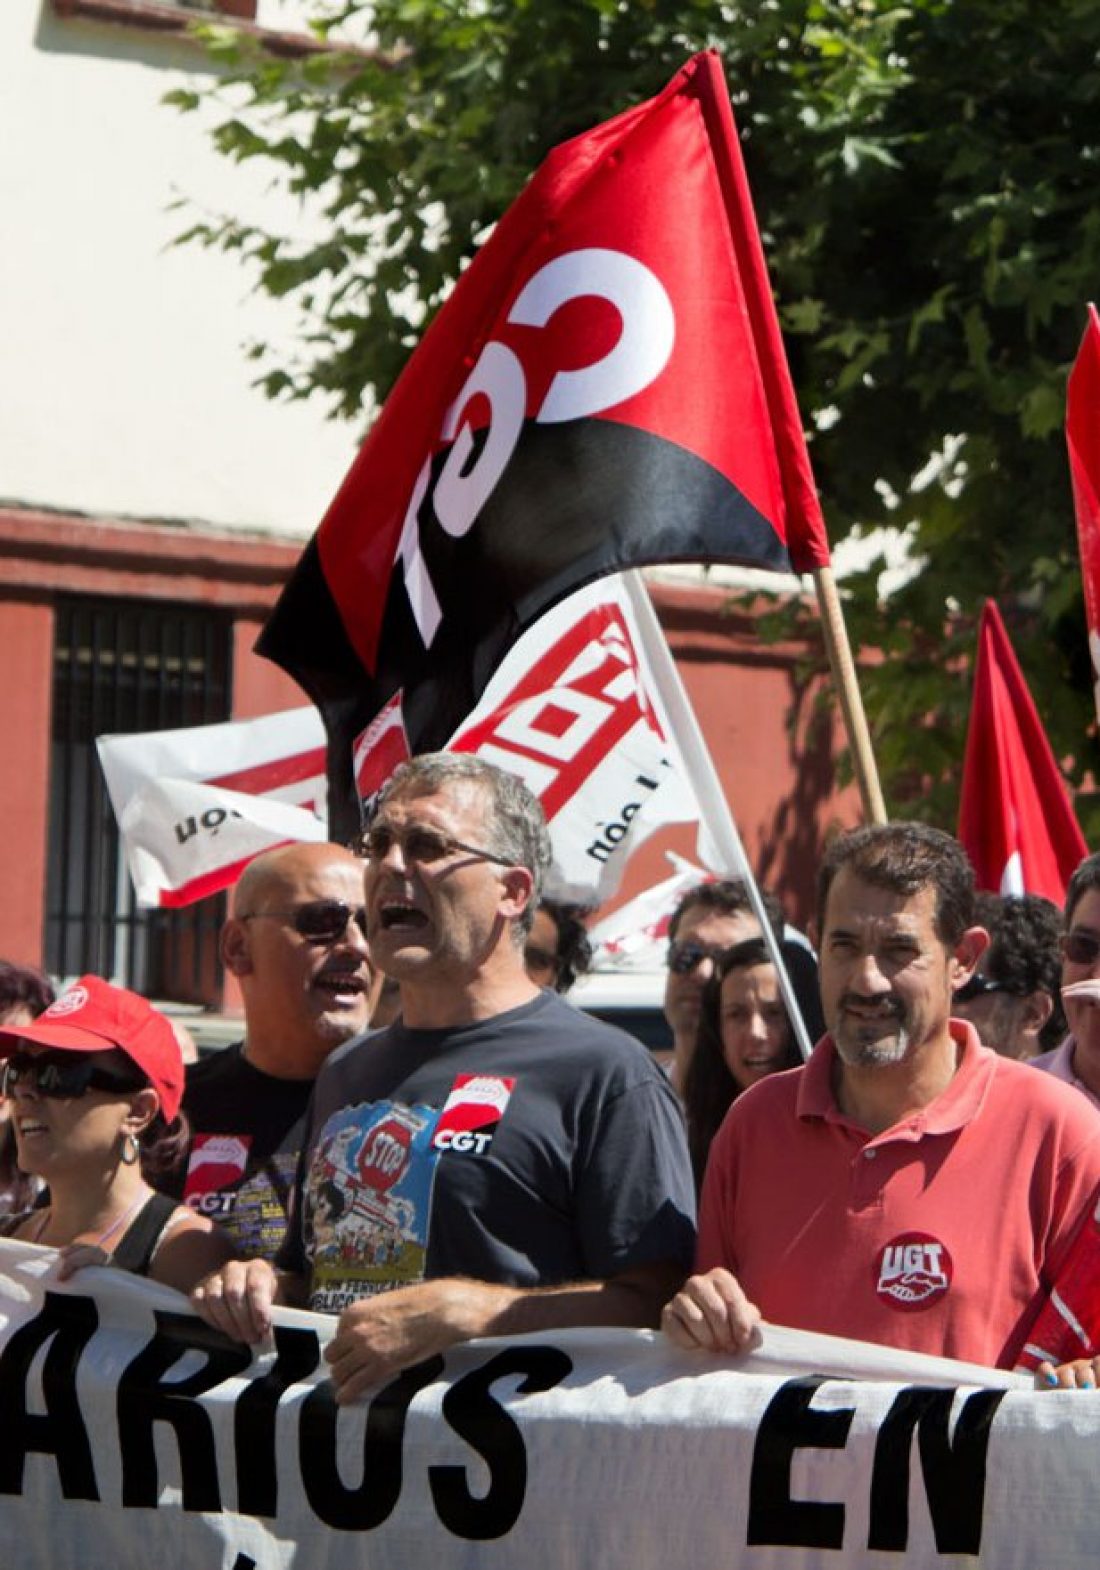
x=1083 y=440
x=1015 y=817
x=605 y=387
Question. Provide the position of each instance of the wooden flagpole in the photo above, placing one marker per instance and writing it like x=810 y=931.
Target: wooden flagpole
x=851 y=703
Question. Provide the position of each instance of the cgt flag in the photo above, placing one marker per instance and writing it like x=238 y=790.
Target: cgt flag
x=1083 y=440
x=573 y=711
x=1015 y=818
x=605 y=387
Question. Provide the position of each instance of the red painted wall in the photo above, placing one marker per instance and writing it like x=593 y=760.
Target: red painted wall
x=259 y=687
x=26 y=637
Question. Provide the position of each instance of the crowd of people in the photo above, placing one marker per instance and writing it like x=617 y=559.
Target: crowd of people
x=419 y=1135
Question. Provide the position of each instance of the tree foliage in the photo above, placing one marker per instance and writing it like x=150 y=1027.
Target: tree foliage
x=924 y=176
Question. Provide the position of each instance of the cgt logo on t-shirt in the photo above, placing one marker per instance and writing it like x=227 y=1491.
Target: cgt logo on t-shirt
x=472 y=1113
x=913 y=1271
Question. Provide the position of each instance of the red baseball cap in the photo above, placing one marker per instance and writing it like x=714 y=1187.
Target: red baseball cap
x=93 y=1016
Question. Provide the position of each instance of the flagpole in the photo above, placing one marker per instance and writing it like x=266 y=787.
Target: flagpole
x=704 y=778
x=843 y=668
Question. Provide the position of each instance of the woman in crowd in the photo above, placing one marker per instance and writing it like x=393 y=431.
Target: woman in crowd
x=24 y=993
x=744 y=1035
x=94 y=1085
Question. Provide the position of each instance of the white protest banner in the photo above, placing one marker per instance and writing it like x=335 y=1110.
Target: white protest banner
x=135 y=1436
x=194 y=805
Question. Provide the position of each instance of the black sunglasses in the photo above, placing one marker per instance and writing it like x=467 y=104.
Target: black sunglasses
x=688 y=955
x=420 y=844
x=62 y=1076
x=978 y=987
x=318 y=920
x=1080 y=948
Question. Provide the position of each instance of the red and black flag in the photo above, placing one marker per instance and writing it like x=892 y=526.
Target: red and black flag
x=605 y=387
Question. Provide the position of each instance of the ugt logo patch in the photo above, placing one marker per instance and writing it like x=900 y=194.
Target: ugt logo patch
x=913 y=1271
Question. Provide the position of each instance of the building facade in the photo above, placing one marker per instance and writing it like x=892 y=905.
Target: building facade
x=152 y=501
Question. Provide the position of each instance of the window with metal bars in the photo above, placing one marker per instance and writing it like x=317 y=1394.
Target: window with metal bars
x=124 y=666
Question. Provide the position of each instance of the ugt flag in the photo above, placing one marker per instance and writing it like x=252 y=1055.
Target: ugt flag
x=1083 y=440
x=605 y=387
x=1015 y=819
x=195 y=805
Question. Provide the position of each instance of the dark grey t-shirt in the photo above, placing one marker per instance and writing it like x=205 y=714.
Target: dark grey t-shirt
x=533 y=1148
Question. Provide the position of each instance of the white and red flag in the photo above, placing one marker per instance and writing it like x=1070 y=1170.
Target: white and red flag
x=572 y=711
x=195 y=805
x=635 y=936
x=1083 y=441
x=605 y=387
x=1015 y=818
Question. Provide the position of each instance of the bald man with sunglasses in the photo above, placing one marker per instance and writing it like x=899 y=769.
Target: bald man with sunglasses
x=296 y=942
x=495 y=1162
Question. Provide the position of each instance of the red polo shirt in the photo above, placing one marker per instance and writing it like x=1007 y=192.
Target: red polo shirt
x=938 y=1234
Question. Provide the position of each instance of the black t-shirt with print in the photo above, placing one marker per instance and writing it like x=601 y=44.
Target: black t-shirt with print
x=534 y=1148
x=247 y=1131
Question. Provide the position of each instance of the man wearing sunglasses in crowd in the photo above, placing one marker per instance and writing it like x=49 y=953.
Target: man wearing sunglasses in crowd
x=709 y=920
x=296 y=942
x=495 y=1162
x=1012 y=997
x=1077 y=1060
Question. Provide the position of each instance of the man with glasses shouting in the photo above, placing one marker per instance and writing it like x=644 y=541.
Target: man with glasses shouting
x=495 y=1162
x=1077 y=1060
x=296 y=942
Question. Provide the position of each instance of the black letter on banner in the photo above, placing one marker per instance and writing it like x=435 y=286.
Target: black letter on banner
x=954 y=1470
x=483 y=1423
x=71 y=1322
x=255 y=1416
x=145 y=1399
x=788 y=1425
x=359 y=1509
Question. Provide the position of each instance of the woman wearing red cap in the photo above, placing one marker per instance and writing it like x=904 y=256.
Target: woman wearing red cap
x=95 y=1085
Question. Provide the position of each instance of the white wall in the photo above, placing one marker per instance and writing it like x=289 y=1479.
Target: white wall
x=125 y=390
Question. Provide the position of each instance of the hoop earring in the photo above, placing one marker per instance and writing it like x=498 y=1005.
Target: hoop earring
x=130 y=1151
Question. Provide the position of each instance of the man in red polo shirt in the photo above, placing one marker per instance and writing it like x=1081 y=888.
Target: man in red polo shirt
x=906 y=1186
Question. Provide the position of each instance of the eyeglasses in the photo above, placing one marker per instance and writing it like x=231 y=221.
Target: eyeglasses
x=61 y=1076
x=1081 y=948
x=318 y=920
x=978 y=987
x=420 y=844
x=688 y=955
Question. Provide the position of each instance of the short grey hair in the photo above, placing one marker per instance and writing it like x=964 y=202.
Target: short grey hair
x=515 y=822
